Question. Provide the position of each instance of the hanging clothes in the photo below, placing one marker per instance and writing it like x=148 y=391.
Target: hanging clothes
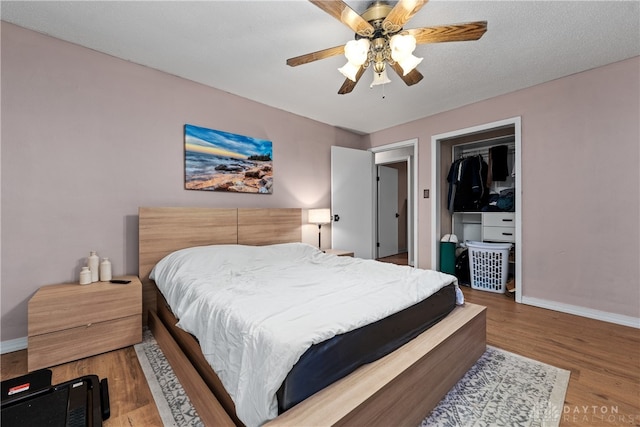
x=499 y=165
x=467 y=184
x=453 y=178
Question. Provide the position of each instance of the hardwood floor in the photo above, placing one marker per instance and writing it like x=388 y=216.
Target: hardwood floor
x=604 y=360
x=131 y=401
x=400 y=259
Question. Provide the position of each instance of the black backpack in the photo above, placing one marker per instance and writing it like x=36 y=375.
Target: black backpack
x=462 y=268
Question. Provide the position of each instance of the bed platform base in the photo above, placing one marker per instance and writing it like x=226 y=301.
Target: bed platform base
x=399 y=389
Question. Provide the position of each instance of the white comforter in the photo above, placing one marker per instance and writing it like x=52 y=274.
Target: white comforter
x=256 y=310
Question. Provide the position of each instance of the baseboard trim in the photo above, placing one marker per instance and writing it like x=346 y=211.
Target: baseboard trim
x=10 y=346
x=619 y=319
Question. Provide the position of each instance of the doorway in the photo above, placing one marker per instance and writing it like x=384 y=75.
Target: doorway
x=401 y=157
x=392 y=210
x=441 y=149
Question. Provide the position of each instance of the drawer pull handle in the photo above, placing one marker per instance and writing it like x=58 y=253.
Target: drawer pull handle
x=507 y=234
x=507 y=220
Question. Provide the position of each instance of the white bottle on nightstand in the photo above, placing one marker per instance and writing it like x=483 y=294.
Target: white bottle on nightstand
x=85 y=276
x=94 y=264
x=105 y=270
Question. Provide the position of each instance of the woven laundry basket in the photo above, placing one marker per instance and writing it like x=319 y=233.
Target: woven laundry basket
x=489 y=265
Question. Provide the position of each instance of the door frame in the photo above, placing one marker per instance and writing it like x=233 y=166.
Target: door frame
x=437 y=187
x=394 y=153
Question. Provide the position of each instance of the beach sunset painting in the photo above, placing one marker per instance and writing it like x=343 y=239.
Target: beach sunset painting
x=221 y=161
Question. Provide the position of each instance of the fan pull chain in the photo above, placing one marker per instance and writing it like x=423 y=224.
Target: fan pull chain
x=383 y=85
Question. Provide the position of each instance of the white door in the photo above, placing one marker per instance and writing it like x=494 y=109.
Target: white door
x=352 y=206
x=387 y=211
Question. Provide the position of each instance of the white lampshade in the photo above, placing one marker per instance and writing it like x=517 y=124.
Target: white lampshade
x=319 y=216
x=350 y=71
x=402 y=47
x=409 y=63
x=356 y=51
x=380 y=78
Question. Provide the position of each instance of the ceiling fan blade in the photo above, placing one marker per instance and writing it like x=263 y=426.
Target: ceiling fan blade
x=449 y=33
x=349 y=84
x=310 y=57
x=412 y=77
x=401 y=13
x=343 y=13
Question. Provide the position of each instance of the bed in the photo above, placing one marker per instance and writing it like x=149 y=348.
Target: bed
x=400 y=388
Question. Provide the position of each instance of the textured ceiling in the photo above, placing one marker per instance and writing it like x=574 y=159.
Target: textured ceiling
x=241 y=47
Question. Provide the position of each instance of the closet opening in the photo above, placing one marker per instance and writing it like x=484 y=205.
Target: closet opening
x=476 y=186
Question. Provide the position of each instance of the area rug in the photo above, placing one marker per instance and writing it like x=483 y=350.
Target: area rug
x=172 y=401
x=504 y=389
x=501 y=389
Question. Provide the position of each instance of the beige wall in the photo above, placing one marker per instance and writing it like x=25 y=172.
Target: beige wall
x=88 y=138
x=580 y=184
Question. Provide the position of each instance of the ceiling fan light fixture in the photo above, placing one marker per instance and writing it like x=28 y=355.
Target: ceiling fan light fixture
x=380 y=78
x=380 y=39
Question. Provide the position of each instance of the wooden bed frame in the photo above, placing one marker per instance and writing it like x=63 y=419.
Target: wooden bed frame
x=399 y=389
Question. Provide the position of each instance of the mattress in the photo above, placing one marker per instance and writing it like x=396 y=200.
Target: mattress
x=326 y=362
x=261 y=313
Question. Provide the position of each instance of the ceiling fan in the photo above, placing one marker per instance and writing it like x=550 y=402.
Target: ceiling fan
x=380 y=40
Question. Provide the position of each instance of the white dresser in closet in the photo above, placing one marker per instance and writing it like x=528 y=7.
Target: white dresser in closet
x=485 y=226
x=499 y=227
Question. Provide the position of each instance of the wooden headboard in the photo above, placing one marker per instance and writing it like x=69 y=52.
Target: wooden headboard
x=165 y=230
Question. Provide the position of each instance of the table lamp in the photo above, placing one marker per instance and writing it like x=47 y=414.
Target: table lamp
x=319 y=216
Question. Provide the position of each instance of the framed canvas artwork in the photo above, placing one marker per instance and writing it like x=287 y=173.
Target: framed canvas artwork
x=221 y=161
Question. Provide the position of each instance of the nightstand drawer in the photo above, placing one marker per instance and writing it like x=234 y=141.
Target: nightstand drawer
x=57 y=307
x=499 y=234
x=54 y=348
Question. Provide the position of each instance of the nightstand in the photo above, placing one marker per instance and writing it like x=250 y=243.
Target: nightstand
x=71 y=321
x=338 y=252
